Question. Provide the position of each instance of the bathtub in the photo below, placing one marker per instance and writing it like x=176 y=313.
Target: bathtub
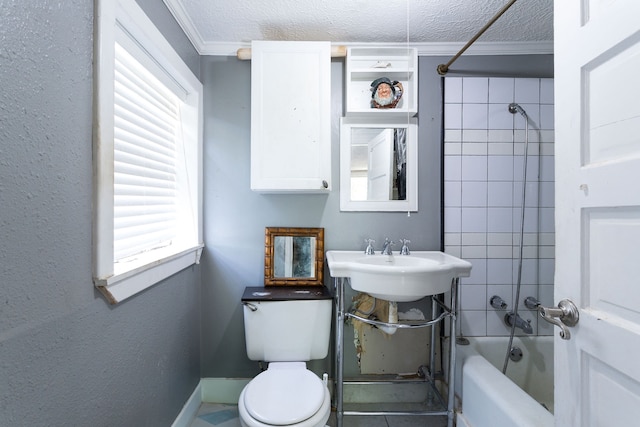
x=489 y=398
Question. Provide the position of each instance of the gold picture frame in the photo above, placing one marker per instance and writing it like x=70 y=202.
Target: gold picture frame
x=293 y=256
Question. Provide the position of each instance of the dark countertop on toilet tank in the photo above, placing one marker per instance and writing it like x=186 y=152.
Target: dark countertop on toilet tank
x=285 y=293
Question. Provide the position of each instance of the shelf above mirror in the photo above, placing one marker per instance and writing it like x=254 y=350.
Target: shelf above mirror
x=366 y=64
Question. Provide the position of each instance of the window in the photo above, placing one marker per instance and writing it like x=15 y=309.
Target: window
x=147 y=154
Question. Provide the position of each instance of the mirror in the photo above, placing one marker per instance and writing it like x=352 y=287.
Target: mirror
x=293 y=256
x=378 y=165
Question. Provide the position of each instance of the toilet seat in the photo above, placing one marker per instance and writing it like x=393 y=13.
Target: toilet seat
x=286 y=393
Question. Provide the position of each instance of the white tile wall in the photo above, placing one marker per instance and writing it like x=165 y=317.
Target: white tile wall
x=475 y=91
x=501 y=90
x=473 y=168
x=453 y=116
x=527 y=91
x=474 y=193
x=475 y=116
x=501 y=168
x=453 y=88
x=484 y=153
x=500 y=220
x=500 y=194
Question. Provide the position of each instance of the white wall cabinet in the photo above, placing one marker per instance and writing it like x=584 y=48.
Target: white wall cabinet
x=366 y=64
x=291 y=116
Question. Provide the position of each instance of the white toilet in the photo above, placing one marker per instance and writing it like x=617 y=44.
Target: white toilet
x=286 y=326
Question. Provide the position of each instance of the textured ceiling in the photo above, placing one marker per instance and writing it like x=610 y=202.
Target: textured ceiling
x=227 y=24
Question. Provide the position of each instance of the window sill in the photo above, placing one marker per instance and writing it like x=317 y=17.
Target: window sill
x=119 y=287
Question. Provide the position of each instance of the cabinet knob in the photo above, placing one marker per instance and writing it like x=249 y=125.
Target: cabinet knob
x=325 y=184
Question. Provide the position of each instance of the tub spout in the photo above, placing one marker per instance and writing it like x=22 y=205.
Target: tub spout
x=525 y=325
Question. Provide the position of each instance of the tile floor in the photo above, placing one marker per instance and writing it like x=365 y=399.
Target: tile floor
x=223 y=415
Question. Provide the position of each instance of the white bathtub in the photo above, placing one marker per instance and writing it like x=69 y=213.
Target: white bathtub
x=491 y=399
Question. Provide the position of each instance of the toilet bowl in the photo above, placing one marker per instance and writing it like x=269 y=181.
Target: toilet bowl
x=286 y=394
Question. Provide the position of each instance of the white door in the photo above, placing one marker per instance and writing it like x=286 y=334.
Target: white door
x=380 y=176
x=597 y=104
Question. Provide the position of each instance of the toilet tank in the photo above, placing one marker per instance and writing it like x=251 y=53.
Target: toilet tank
x=287 y=323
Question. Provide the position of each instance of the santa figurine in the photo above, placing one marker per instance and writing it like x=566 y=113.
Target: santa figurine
x=385 y=93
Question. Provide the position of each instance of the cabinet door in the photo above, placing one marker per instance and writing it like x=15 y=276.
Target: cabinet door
x=290 y=116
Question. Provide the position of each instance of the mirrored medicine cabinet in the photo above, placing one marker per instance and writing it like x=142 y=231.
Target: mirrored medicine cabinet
x=379 y=164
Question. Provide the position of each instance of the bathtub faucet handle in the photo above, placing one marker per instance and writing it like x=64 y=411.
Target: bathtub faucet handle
x=565 y=316
x=531 y=303
x=498 y=303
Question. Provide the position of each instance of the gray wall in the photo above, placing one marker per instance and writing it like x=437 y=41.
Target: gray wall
x=67 y=358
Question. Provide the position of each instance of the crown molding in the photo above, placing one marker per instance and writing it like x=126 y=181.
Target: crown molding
x=486 y=48
x=424 y=49
x=182 y=17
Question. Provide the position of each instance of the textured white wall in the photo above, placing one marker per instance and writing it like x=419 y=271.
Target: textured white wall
x=371 y=21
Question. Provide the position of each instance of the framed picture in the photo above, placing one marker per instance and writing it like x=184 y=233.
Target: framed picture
x=293 y=256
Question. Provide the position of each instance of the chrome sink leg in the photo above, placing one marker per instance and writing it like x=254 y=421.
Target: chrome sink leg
x=339 y=327
x=452 y=352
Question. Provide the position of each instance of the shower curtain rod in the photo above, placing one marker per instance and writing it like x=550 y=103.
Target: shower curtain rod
x=444 y=68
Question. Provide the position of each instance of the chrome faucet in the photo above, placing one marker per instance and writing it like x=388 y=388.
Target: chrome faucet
x=369 y=250
x=386 y=246
x=525 y=325
x=405 y=247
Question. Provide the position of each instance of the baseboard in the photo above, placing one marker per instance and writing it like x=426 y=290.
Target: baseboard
x=461 y=421
x=190 y=408
x=222 y=390
x=227 y=390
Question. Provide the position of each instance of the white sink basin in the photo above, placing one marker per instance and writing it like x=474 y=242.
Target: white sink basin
x=400 y=278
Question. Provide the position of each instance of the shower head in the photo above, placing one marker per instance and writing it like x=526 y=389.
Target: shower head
x=516 y=108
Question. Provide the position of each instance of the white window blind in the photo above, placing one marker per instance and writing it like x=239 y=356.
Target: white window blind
x=147 y=155
x=146 y=125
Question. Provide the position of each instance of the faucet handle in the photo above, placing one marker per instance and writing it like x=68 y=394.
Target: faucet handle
x=498 y=303
x=369 y=250
x=405 y=247
x=531 y=303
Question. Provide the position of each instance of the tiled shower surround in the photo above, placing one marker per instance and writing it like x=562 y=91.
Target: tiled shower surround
x=483 y=167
